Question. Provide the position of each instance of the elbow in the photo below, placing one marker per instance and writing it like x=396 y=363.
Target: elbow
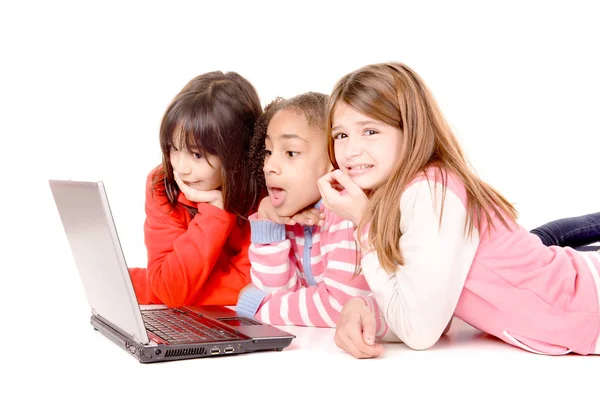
x=418 y=337
x=421 y=343
x=171 y=293
x=171 y=300
x=174 y=303
x=417 y=327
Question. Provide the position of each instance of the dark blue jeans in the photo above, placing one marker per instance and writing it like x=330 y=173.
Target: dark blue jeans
x=576 y=232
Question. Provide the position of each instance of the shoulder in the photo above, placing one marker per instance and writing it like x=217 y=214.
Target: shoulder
x=435 y=195
x=156 y=197
x=154 y=179
x=432 y=180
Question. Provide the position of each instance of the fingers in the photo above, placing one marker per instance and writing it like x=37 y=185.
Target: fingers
x=337 y=186
x=178 y=181
x=195 y=195
x=314 y=213
x=355 y=331
x=360 y=349
x=326 y=180
x=262 y=208
x=345 y=343
x=309 y=216
x=328 y=177
x=369 y=326
x=273 y=216
x=328 y=192
x=266 y=211
x=289 y=221
x=346 y=182
x=339 y=181
x=185 y=189
x=352 y=343
x=202 y=196
x=369 y=330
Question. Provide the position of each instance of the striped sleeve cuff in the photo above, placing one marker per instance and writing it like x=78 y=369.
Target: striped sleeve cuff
x=265 y=232
x=381 y=327
x=363 y=241
x=249 y=302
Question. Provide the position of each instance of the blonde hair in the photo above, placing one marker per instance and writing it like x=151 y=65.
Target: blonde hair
x=394 y=94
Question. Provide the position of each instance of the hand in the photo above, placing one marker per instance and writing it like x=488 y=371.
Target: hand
x=355 y=331
x=267 y=211
x=213 y=197
x=308 y=216
x=351 y=205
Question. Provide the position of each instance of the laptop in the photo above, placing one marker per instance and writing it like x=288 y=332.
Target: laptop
x=149 y=333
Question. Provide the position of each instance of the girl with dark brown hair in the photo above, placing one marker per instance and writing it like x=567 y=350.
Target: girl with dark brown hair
x=197 y=201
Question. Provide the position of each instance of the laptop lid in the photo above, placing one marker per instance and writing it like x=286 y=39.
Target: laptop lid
x=92 y=235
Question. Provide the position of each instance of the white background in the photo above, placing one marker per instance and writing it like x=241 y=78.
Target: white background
x=83 y=86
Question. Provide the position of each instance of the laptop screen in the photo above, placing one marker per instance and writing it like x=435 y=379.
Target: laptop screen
x=92 y=236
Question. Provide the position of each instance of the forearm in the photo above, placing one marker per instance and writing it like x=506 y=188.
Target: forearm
x=419 y=298
x=180 y=260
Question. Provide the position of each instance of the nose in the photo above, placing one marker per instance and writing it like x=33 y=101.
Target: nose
x=353 y=146
x=271 y=165
x=183 y=164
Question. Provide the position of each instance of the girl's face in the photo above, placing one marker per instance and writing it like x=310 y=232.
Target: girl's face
x=365 y=149
x=296 y=156
x=198 y=171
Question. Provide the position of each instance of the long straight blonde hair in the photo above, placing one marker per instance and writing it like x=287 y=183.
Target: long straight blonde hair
x=395 y=95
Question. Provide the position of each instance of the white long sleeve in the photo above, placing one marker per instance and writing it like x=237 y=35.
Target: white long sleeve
x=419 y=299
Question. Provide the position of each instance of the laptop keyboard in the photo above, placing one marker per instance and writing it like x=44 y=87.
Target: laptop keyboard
x=176 y=326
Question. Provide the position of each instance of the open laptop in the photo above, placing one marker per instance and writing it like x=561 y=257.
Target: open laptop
x=150 y=333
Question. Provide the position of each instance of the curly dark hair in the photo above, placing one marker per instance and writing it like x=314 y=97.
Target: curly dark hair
x=312 y=105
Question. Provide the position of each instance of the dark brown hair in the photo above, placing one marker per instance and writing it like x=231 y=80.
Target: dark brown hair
x=215 y=113
x=397 y=96
x=312 y=105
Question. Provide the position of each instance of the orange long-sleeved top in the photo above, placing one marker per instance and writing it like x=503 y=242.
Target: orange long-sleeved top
x=191 y=261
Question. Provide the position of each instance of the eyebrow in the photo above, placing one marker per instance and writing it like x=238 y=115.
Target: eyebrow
x=289 y=136
x=360 y=123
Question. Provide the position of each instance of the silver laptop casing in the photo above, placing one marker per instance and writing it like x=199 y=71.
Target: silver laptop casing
x=87 y=219
x=84 y=211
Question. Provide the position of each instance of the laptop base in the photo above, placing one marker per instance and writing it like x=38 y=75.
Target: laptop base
x=158 y=352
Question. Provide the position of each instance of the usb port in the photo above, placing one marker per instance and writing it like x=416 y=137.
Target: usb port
x=229 y=349
x=215 y=351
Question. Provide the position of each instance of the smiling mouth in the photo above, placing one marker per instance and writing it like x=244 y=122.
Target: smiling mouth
x=358 y=169
x=191 y=184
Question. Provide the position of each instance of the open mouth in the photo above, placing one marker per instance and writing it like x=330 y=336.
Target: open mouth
x=276 y=195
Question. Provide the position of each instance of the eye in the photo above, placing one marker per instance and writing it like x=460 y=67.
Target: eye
x=370 y=132
x=172 y=147
x=197 y=156
x=340 y=135
x=267 y=153
x=292 y=153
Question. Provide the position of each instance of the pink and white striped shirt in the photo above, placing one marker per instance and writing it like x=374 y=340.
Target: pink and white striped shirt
x=302 y=275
